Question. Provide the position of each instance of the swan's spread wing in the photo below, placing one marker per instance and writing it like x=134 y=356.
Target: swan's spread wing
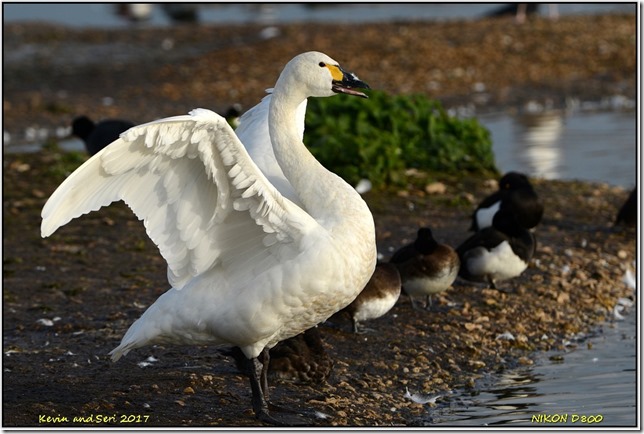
x=253 y=133
x=202 y=199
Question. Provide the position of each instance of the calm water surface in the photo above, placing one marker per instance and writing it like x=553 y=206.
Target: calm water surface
x=103 y=15
x=586 y=386
x=582 y=145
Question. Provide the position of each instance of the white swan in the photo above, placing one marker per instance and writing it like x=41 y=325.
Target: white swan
x=253 y=132
x=253 y=258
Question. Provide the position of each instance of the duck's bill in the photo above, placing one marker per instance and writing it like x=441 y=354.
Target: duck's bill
x=348 y=85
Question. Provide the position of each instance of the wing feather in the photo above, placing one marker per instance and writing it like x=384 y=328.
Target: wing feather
x=201 y=197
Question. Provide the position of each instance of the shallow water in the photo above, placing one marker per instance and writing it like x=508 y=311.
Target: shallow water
x=595 y=143
x=592 y=384
x=580 y=145
x=103 y=15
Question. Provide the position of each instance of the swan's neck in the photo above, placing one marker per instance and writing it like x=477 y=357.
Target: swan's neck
x=314 y=185
x=326 y=197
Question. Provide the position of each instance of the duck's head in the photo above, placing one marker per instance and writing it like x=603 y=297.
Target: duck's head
x=316 y=74
x=425 y=241
x=514 y=181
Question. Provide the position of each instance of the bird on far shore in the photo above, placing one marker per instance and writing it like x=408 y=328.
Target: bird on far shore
x=515 y=194
x=233 y=114
x=96 y=136
x=426 y=267
x=377 y=298
x=499 y=252
x=521 y=11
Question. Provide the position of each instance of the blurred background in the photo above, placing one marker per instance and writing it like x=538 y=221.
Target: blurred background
x=568 y=112
x=167 y=14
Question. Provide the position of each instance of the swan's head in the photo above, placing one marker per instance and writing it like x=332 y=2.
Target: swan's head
x=316 y=74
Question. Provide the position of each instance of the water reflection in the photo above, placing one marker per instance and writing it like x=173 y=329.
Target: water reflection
x=574 y=385
x=508 y=401
x=574 y=144
x=538 y=136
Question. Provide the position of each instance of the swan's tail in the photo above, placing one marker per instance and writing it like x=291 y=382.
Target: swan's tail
x=120 y=351
x=145 y=330
x=134 y=338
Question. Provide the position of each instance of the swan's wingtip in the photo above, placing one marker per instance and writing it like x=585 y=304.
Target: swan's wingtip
x=46 y=229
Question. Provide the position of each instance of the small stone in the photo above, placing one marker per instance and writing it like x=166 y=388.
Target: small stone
x=402 y=193
x=491 y=184
x=436 y=188
x=477 y=364
x=469 y=197
x=471 y=326
x=45 y=321
x=20 y=167
x=563 y=298
x=189 y=390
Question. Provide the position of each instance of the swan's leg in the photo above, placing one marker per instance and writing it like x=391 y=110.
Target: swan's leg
x=259 y=386
x=260 y=406
x=266 y=359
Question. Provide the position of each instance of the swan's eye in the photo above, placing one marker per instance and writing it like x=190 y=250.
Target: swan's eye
x=322 y=64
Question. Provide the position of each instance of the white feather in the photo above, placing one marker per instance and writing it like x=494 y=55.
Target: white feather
x=501 y=263
x=484 y=216
x=256 y=254
x=375 y=308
